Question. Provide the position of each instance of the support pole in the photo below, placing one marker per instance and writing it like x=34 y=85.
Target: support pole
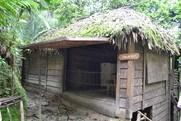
x=22 y=111
x=0 y=116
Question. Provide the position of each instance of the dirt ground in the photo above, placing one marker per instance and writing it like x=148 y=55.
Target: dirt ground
x=54 y=108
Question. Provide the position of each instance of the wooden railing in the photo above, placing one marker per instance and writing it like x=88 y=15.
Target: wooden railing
x=6 y=102
x=142 y=117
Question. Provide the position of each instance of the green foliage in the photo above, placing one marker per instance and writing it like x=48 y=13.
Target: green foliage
x=159 y=10
x=177 y=9
x=10 y=73
x=67 y=10
x=11 y=11
x=14 y=112
x=4 y=78
x=35 y=24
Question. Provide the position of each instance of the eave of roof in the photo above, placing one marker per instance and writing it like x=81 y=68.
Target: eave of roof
x=68 y=42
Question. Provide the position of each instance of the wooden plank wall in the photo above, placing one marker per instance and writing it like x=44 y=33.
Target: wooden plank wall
x=55 y=73
x=154 y=94
x=138 y=82
x=157 y=95
x=50 y=70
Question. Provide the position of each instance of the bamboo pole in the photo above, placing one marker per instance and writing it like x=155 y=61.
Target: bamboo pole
x=22 y=111
x=9 y=114
x=144 y=117
x=138 y=117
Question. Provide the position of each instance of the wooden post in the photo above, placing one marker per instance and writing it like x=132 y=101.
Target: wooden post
x=118 y=84
x=144 y=76
x=0 y=116
x=46 y=71
x=22 y=111
x=39 y=62
x=65 y=54
x=130 y=80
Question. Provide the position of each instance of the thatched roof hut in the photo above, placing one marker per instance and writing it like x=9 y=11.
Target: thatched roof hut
x=116 y=63
x=119 y=25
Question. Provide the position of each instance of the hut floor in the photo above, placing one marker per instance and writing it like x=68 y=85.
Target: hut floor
x=95 y=101
x=94 y=94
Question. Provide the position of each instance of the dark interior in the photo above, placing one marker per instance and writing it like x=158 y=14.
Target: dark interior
x=91 y=70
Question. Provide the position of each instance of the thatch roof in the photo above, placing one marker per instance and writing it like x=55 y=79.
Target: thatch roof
x=120 y=26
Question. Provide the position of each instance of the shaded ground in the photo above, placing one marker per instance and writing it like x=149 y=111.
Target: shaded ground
x=54 y=108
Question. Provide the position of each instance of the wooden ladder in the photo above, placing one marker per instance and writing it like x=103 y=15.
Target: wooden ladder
x=142 y=117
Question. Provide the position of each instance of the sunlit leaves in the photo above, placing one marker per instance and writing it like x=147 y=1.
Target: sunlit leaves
x=11 y=9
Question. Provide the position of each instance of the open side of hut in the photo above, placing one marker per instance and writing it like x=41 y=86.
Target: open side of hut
x=116 y=63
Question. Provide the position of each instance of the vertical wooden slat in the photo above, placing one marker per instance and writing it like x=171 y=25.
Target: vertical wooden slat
x=40 y=116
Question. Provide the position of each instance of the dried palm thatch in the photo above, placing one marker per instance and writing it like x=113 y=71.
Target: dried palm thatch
x=120 y=25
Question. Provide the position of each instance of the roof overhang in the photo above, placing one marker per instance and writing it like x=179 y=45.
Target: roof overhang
x=68 y=42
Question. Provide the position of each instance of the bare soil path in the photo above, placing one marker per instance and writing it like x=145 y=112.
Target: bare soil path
x=54 y=108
